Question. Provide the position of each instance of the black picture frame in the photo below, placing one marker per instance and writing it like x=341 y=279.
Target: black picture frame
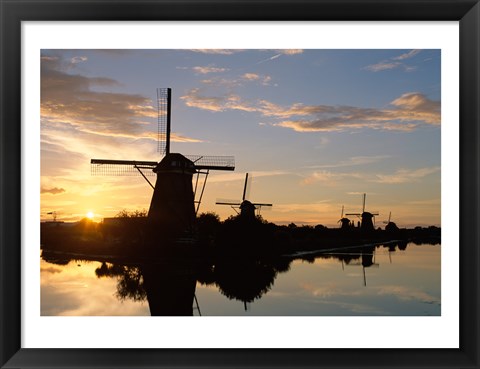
x=13 y=12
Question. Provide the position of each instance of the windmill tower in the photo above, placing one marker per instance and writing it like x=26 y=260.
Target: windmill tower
x=368 y=218
x=247 y=208
x=172 y=208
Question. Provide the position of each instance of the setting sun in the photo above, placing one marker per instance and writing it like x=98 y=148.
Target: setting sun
x=90 y=215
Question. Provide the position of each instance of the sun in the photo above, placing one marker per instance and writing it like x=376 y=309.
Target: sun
x=90 y=215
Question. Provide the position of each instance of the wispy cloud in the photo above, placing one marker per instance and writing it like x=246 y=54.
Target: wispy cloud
x=394 y=63
x=408 y=55
x=78 y=59
x=195 y=99
x=290 y=51
x=208 y=69
x=406 y=175
x=263 y=79
x=332 y=178
x=328 y=178
x=236 y=82
x=217 y=51
x=281 y=52
x=404 y=114
x=52 y=191
x=354 y=161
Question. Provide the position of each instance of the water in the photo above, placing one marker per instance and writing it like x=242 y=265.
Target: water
x=378 y=281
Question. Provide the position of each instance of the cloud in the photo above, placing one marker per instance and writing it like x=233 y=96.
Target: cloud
x=215 y=104
x=406 y=175
x=217 y=51
x=404 y=114
x=394 y=63
x=208 y=69
x=53 y=191
x=354 y=161
x=408 y=55
x=290 y=51
x=251 y=76
x=240 y=81
x=78 y=59
x=382 y=66
x=72 y=101
x=51 y=270
x=331 y=178
x=328 y=178
x=265 y=80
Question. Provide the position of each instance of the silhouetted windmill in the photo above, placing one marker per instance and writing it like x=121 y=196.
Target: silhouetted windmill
x=367 y=223
x=53 y=214
x=172 y=208
x=344 y=221
x=390 y=226
x=247 y=208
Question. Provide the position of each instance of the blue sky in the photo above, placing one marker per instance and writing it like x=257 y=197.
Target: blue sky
x=315 y=128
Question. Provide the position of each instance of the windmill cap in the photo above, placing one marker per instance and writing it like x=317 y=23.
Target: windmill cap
x=174 y=162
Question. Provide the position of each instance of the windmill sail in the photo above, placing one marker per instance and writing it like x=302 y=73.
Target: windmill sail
x=132 y=167
x=121 y=167
x=164 y=107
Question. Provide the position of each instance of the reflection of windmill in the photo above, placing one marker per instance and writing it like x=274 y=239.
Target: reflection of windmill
x=344 y=221
x=247 y=208
x=367 y=261
x=368 y=218
x=172 y=207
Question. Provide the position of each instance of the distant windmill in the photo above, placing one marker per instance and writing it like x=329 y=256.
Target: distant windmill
x=53 y=214
x=367 y=223
x=172 y=208
x=247 y=208
x=344 y=221
x=390 y=226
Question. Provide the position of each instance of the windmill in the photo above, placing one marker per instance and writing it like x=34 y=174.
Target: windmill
x=390 y=226
x=366 y=217
x=344 y=221
x=173 y=206
x=53 y=214
x=247 y=208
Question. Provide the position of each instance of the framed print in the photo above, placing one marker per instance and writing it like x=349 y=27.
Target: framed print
x=143 y=123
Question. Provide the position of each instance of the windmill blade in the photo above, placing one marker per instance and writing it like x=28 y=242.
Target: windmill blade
x=260 y=204
x=231 y=203
x=121 y=167
x=245 y=188
x=164 y=104
x=212 y=162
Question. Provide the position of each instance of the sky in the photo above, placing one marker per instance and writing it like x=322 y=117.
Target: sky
x=315 y=129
